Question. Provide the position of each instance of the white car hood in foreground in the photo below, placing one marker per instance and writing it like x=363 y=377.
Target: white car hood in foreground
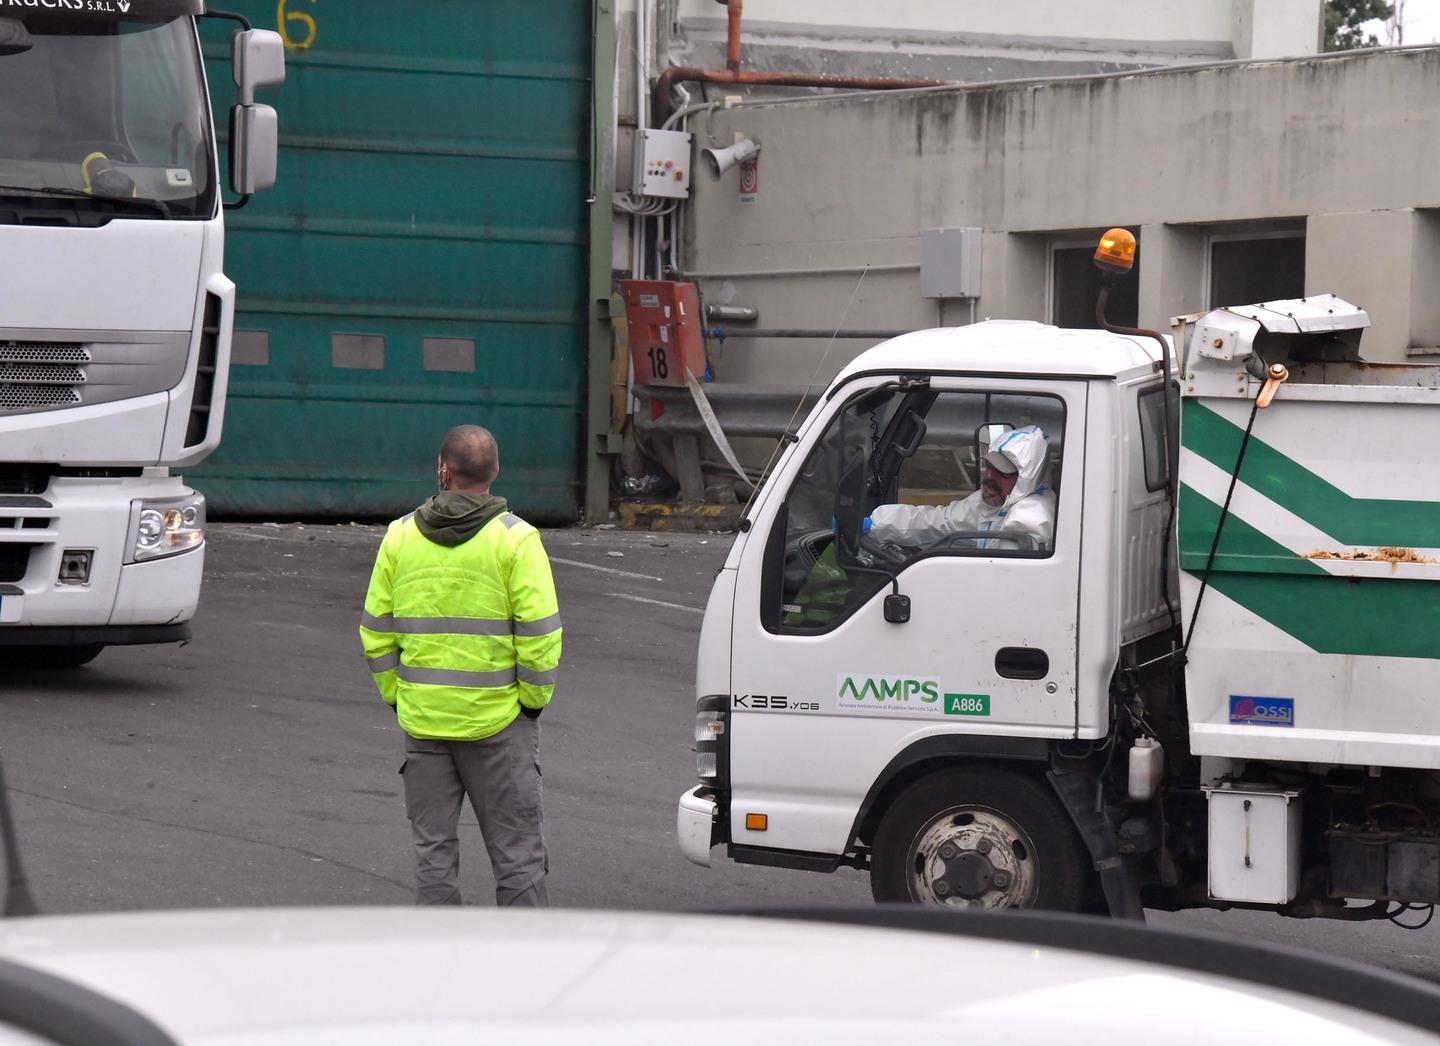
x=361 y=976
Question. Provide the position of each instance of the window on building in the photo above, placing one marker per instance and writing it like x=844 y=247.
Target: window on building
x=1075 y=287
x=1245 y=267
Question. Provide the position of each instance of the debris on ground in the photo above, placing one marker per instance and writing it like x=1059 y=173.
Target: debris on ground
x=1380 y=555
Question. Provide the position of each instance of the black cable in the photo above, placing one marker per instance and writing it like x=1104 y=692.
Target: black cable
x=233 y=16
x=1220 y=525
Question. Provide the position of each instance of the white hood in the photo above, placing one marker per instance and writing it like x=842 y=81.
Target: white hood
x=1026 y=449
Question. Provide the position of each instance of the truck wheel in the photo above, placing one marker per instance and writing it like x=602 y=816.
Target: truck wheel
x=56 y=656
x=981 y=839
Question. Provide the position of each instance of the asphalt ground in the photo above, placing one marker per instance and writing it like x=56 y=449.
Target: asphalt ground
x=257 y=765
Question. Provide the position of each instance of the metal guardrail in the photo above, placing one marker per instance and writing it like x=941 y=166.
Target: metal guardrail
x=763 y=411
x=742 y=410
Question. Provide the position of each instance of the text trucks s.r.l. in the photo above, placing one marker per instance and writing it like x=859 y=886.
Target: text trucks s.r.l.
x=990 y=715
x=115 y=314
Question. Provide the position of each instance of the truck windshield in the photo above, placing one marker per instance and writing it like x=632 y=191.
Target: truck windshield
x=106 y=109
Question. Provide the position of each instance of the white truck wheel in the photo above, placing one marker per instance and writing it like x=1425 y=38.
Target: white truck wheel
x=978 y=838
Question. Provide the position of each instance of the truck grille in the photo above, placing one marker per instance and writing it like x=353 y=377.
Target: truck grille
x=36 y=375
x=43 y=352
x=14 y=560
x=18 y=478
x=28 y=397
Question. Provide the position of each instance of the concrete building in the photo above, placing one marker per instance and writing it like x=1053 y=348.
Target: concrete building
x=975 y=42
x=991 y=39
x=1243 y=181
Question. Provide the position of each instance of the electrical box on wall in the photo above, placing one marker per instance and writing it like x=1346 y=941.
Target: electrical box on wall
x=667 y=341
x=950 y=262
x=662 y=164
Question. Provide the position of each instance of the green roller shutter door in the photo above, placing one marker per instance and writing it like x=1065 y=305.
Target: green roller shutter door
x=421 y=262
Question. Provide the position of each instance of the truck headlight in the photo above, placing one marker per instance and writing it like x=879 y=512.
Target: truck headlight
x=165 y=527
x=709 y=732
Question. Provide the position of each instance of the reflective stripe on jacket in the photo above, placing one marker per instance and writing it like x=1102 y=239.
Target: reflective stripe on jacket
x=459 y=637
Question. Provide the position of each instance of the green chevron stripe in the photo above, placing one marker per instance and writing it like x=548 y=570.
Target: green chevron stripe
x=1350 y=521
x=1242 y=547
x=1374 y=617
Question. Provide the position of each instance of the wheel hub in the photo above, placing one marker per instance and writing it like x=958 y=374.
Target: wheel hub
x=968 y=875
x=973 y=859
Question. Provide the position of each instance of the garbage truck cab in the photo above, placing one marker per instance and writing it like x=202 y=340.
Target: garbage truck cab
x=994 y=714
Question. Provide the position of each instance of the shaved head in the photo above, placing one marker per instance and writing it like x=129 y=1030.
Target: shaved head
x=471 y=457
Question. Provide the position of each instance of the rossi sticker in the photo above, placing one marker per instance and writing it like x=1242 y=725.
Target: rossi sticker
x=1262 y=711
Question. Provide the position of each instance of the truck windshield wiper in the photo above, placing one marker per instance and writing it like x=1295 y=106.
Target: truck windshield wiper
x=141 y=203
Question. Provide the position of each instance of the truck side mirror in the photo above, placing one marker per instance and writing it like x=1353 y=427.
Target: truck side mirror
x=850 y=508
x=909 y=434
x=257 y=59
x=897 y=608
x=254 y=148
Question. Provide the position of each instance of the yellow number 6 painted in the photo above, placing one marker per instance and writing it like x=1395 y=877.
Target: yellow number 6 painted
x=283 y=18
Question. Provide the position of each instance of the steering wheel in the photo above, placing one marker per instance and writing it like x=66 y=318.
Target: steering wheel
x=886 y=553
x=1023 y=542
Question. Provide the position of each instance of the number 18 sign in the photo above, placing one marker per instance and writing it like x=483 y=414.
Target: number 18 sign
x=666 y=339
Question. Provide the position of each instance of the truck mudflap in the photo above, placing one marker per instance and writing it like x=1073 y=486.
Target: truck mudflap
x=1118 y=875
x=697 y=825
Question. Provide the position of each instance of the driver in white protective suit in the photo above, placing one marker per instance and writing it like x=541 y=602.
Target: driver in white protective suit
x=1011 y=500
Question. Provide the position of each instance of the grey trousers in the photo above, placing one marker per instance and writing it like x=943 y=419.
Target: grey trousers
x=501 y=775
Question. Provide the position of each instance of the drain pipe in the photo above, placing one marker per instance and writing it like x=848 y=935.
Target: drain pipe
x=732 y=38
x=642 y=74
x=732 y=74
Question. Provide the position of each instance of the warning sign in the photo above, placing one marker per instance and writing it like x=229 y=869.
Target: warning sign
x=749 y=179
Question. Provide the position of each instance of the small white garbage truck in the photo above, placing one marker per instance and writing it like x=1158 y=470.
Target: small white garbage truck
x=115 y=314
x=1209 y=676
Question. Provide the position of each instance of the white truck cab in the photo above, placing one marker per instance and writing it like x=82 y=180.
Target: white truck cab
x=985 y=719
x=115 y=313
x=829 y=709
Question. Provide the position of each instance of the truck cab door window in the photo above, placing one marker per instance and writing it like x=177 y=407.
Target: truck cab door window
x=904 y=473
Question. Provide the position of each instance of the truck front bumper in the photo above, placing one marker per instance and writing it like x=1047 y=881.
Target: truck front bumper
x=696 y=825
x=127 y=600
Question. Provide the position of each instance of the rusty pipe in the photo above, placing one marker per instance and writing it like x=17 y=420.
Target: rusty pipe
x=732 y=39
x=679 y=74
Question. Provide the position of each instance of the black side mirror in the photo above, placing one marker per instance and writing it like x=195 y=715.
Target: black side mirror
x=897 y=608
x=909 y=434
x=850 y=508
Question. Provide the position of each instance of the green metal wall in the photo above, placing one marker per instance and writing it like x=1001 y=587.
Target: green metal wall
x=432 y=185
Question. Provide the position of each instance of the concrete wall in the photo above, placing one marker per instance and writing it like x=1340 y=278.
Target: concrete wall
x=1121 y=31
x=1347 y=147
x=979 y=40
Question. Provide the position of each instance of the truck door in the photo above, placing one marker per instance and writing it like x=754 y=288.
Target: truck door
x=826 y=689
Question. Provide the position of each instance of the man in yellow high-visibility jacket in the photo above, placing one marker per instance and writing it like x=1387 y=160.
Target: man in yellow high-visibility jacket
x=462 y=634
